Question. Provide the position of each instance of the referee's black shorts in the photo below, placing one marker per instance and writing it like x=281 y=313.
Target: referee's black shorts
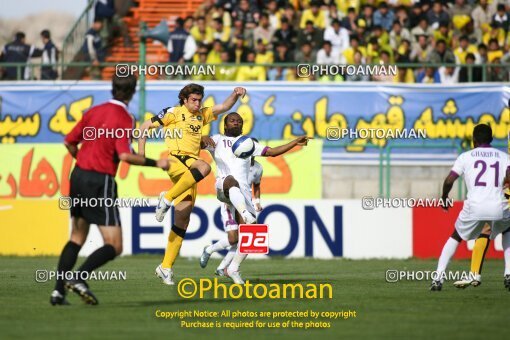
x=93 y=195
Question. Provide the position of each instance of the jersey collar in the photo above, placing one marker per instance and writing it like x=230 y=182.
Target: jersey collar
x=118 y=102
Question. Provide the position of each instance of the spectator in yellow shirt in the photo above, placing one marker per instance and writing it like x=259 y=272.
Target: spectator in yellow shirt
x=220 y=31
x=496 y=32
x=348 y=54
x=263 y=55
x=443 y=33
x=251 y=72
x=223 y=72
x=494 y=51
x=214 y=56
x=315 y=15
x=463 y=49
x=201 y=32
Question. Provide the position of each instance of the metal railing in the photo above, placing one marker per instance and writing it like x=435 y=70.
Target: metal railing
x=486 y=70
x=76 y=36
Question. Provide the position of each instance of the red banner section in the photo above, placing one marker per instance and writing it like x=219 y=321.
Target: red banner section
x=431 y=229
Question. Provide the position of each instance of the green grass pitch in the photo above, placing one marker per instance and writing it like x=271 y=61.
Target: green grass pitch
x=384 y=310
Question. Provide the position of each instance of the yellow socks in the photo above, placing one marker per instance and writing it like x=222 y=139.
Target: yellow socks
x=173 y=247
x=479 y=250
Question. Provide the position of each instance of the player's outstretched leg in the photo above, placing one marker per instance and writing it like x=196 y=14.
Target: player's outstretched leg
x=221 y=244
x=195 y=174
x=448 y=251
x=231 y=187
x=230 y=238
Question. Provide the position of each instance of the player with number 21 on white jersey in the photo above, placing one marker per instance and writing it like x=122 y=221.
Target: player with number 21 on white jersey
x=484 y=169
x=233 y=188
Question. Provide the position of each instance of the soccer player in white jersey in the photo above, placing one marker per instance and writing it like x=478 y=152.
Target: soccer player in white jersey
x=233 y=188
x=484 y=169
x=254 y=179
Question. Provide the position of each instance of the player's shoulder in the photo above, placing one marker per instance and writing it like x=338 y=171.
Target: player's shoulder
x=167 y=110
x=205 y=109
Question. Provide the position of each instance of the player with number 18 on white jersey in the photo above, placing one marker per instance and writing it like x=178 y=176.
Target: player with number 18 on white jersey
x=484 y=169
x=233 y=188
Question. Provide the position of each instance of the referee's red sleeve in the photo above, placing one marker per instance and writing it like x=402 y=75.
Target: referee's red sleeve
x=76 y=135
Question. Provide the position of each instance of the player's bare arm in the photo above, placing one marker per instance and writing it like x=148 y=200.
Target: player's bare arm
x=72 y=148
x=207 y=141
x=280 y=150
x=447 y=187
x=229 y=102
x=134 y=159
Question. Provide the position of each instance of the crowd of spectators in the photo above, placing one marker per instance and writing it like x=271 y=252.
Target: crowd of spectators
x=438 y=37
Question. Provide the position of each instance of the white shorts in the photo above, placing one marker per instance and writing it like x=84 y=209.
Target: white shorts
x=470 y=229
x=228 y=211
x=501 y=226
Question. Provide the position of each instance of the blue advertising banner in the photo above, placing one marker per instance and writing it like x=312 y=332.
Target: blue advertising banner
x=44 y=112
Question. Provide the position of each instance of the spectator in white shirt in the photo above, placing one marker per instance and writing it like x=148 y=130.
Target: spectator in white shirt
x=326 y=55
x=338 y=36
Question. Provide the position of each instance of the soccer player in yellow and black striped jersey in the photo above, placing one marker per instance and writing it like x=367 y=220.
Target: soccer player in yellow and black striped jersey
x=186 y=168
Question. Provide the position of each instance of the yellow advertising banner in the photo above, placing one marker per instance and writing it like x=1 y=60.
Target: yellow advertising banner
x=42 y=171
x=32 y=227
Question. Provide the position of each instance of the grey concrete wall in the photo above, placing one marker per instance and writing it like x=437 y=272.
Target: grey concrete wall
x=356 y=181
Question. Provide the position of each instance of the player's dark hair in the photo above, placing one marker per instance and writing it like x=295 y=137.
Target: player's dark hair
x=188 y=90
x=123 y=88
x=482 y=134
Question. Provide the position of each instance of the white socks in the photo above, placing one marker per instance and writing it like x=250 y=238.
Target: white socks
x=446 y=255
x=237 y=199
x=228 y=258
x=218 y=245
x=506 y=250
